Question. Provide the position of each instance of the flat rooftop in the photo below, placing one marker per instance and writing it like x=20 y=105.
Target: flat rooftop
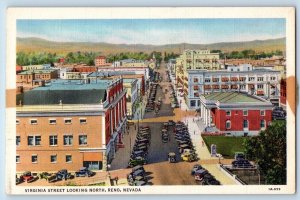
x=232 y=97
x=73 y=92
x=129 y=80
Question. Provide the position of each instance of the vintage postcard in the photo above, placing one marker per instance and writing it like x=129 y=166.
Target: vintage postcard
x=182 y=100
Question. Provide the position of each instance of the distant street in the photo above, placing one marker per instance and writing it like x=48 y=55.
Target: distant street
x=161 y=171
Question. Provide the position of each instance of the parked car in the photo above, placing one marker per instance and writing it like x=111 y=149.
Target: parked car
x=26 y=176
x=199 y=174
x=138 y=167
x=63 y=174
x=83 y=172
x=189 y=156
x=196 y=167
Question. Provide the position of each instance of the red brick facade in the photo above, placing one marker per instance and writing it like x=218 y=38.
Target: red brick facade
x=283 y=91
x=237 y=118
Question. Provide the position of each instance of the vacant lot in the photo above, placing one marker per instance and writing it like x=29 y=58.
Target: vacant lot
x=226 y=146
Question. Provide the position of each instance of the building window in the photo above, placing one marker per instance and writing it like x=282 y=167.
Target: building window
x=262 y=113
x=195 y=80
x=273 y=78
x=53 y=158
x=17 y=122
x=17 y=159
x=242 y=87
x=245 y=112
x=68 y=121
x=260 y=78
x=207 y=80
x=251 y=78
x=68 y=158
x=82 y=120
x=34 y=140
x=18 y=140
x=33 y=121
x=52 y=121
x=260 y=86
x=68 y=139
x=245 y=124
x=193 y=103
x=262 y=123
x=228 y=124
x=82 y=139
x=53 y=140
x=228 y=113
x=34 y=158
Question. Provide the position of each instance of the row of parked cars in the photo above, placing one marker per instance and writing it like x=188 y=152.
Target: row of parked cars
x=140 y=149
x=202 y=176
x=137 y=177
x=157 y=77
x=173 y=97
x=185 y=144
x=168 y=75
x=53 y=177
x=165 y=136
x=151 y=104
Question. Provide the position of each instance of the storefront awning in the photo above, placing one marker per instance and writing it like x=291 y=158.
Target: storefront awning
x=92 y=156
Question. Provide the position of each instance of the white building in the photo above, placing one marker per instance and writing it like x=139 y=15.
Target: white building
x=261 y=82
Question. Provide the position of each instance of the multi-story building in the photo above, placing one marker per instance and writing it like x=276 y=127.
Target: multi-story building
x=235 y=113
x=283 y=92
x=100 y=61
x=30 y=77
x=67 y=125
x=261 y=82
x=131 y=95
x=33 y=67
x=141 y=73
x=130 y=63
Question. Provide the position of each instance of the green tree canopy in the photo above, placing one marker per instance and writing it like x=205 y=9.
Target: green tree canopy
x=268 y=150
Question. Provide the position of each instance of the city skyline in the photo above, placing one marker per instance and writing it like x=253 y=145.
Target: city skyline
x=153 y=31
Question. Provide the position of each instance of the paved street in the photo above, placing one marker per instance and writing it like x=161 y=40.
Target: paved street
x=159 y=170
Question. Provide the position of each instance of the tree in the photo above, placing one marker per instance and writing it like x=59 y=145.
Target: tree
x=268 y=150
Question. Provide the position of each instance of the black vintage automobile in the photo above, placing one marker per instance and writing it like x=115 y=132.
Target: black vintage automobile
x=83 y=172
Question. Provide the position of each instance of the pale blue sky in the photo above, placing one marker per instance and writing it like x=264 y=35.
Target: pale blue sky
x=153 y=31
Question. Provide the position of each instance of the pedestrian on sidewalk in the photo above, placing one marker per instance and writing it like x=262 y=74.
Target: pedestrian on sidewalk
x=117 y=179
x=202 y=143
x=194 y=132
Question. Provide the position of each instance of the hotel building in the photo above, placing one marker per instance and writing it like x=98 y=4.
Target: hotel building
x=243 y=78
x=68 y=125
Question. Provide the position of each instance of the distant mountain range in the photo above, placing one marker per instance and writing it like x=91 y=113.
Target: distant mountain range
x=40 y=45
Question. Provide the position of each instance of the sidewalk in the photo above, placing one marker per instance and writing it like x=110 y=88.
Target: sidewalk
x=196 y=126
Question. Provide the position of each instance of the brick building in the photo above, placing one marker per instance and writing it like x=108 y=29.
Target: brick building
x=101 y=61
x=27 y=77
x=283 y=92
x=70 y=125
x=235 y=113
